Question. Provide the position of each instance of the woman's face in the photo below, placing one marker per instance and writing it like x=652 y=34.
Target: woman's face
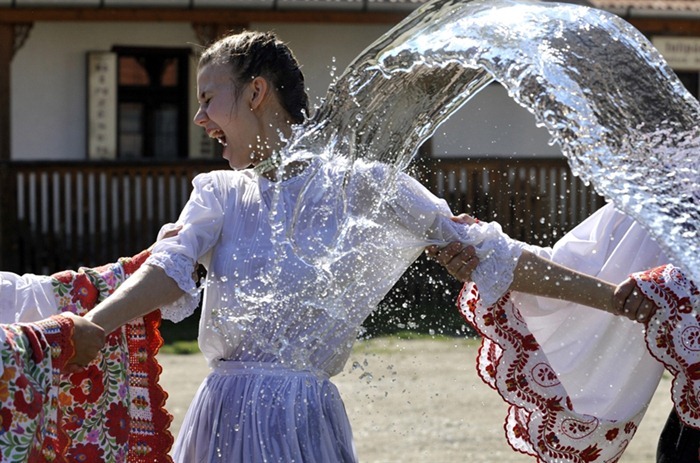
x=226 y=114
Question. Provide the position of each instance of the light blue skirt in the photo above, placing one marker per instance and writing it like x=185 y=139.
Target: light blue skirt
x=263 y=412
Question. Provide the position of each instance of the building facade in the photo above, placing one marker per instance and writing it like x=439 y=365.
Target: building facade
x=105 y=81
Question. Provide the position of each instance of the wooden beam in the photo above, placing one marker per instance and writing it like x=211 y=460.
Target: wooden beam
x=203 y=15
x=8 y=188
x=666 y=26
x=7 y=46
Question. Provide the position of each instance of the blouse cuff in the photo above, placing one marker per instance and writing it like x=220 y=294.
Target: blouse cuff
x=180 y=309
x=494 y=274
x=498 y=256
x=177 y=267
x=180 y=269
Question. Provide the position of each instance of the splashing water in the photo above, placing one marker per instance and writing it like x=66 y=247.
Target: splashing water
x=621 y=116
x=622 y=119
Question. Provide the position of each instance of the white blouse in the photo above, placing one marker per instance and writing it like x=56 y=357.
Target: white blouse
x=294 y=267
x=26 y=298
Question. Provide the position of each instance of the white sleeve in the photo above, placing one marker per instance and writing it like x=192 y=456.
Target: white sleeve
x=201 y=221
x=430 y=218
x=26 y=298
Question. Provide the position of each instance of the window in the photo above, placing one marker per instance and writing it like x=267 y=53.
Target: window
x=152 y=96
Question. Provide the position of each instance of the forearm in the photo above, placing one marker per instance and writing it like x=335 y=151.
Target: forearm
x=146 y=290
x=541 y=277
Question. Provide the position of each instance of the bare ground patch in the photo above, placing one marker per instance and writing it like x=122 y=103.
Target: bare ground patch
x=420 y=400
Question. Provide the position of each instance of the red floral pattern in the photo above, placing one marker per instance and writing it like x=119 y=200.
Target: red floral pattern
x=28 y=400
x=84 y=292
x=75 y=420
x=113 y=411
x=672 y=334
x=87 y=385
x=541 y=420
x=86 y=453
x=27 y=396
x=5 y=420
x=118 y=423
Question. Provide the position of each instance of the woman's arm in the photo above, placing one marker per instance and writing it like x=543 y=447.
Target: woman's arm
x=146 y=290
x=541 y=277
x=151 y=287
x=535 y=275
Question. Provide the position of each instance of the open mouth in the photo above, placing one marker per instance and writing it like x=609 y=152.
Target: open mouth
x=219 y=136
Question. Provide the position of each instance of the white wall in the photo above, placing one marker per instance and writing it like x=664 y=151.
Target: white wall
x=491 y=124
x=49 y=80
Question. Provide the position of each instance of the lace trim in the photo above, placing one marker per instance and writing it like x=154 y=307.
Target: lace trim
x=180 y=269
x=177 y=267
x=180 y=309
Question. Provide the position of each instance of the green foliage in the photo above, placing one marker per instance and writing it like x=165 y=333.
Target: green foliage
x=181 y=347
x=185 y=330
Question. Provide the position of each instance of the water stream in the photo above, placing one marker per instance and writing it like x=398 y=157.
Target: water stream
x=620 y=115
x=622 y=118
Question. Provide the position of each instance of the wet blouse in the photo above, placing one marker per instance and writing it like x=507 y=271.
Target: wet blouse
x=295 y=267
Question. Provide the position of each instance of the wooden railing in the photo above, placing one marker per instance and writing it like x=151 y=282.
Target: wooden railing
x=58 y=215
x=69 y=214
x=535 y=200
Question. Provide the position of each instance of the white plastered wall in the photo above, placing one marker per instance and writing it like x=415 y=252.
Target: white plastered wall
x=49 y=87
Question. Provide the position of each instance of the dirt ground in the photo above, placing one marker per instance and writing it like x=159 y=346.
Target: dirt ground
x=416 y=401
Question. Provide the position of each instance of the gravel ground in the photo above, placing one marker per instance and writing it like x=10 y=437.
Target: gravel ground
x=418 y=401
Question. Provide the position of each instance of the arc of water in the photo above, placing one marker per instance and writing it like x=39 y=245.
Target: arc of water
x=620 y=114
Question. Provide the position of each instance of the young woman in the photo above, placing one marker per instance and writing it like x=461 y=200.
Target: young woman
x=279 y=316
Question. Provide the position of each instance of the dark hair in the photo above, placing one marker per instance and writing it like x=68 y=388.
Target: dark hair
x=251 y=54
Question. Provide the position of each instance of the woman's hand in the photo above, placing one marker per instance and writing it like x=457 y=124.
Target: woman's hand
x=88 y=339
x=628 y=301
x=459 y=260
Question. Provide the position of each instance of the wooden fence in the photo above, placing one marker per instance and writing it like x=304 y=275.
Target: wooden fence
x=535 y=200
x=68 y=214
x=58 y=215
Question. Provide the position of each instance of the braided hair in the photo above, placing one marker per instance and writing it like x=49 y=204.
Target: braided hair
x=251 y=54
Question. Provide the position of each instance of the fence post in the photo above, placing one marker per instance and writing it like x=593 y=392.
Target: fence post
x=9 y=250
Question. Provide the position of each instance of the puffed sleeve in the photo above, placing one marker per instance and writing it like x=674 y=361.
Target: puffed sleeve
x=201 y=220
x=429 y=218
x=25 y=298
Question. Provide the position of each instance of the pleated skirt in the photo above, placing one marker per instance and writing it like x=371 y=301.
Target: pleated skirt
x=265 y=413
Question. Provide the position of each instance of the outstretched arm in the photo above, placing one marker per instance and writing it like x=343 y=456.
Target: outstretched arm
x=146 y=290
x=541 y=277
